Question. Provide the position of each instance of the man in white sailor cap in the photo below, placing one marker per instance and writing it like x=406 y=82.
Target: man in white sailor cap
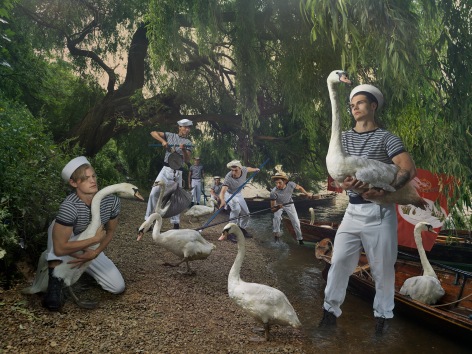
x=173 y=143
x=367 y=225
x=234 y=179
x=72 y=218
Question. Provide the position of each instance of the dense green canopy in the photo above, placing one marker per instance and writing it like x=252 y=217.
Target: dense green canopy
x=251 y=73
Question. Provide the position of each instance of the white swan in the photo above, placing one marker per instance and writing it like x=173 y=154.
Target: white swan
x=197 y=211
x=376 y=173
x=185 y=243
x=425 y=288
x=64 y=271
x=312 y=220
x=265 y=304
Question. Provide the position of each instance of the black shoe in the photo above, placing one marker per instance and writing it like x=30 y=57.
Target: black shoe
x=381 y=325
x=300 y=242
x=176 y=226
x=328 y=320
x=54 y=299
x=246 y=233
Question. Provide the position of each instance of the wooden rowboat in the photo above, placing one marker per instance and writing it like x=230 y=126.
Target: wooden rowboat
x=451 y=250
x=312 y=232
x=301 y=202
x=453 y=312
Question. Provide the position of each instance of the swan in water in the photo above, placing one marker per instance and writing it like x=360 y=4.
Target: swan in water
x=312 y=220
x=425 y=288
x=265 y=304
x=185 y=243
x=64 y=270
x=376 y=173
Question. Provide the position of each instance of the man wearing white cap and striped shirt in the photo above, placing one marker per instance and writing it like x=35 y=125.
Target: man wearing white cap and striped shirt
x=367 y=225
x=233 y=180
x=73 y=217
x=182 y=146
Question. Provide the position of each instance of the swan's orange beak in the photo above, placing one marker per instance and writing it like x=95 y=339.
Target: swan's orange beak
x=345 y=79
x=138 y=196
x=223 y=236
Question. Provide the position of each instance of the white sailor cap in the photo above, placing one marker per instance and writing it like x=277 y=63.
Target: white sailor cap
x=72 y=165
x=236 y=163
x=185 y=123
x=374 y=91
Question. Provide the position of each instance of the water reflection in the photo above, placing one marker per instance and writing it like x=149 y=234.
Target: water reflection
x=299 y=275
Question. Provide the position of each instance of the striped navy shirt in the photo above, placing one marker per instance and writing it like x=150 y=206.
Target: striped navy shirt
x=234 y=183
x=75 y=213
x=217 y=188
x=377 y=144
x=175 y=140
x=282 y=196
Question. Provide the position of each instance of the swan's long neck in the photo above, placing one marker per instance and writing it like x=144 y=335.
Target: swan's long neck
x=156 y=231
x=95 y=211
x=312 y=216
x=335 y=144
x=427 y=268
x=234 y=276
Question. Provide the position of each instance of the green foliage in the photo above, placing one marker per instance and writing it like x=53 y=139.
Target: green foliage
x=110 y=165
x=31 y=187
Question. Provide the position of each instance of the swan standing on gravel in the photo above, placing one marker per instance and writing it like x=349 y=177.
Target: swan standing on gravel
x=67 y=257
x=185 y=243
x=425 y=288
x=367 y=171
x=265 y=304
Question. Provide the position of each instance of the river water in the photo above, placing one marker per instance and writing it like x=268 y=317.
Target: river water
x=299 y=275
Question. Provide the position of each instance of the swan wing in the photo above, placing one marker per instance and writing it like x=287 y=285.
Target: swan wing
x=264 y=303
x=41 y=279
x=425 y=289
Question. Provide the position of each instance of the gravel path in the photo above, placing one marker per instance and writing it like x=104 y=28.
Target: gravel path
x=161 y=311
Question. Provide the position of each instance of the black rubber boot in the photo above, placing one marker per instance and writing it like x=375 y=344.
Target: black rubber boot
x=328 y=320
x=176 y=226
x=54 y=299
x=381 y=325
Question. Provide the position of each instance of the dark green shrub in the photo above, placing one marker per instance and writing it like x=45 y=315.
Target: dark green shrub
x=30 y=185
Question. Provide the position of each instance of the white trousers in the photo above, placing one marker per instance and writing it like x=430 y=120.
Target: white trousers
x=167 y=175
x=238 y=208
x=374 y=228
x=292 y=215
x=102 y=269
x=196 y=190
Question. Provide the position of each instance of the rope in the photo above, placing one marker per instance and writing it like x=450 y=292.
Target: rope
x=453 y=302
x=236 y=218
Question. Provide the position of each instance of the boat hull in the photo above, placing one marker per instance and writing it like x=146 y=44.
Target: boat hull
x=312 y=233
x=302 y=204
x=453 y=312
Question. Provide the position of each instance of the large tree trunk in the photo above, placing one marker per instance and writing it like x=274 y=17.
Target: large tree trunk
x=102 y=122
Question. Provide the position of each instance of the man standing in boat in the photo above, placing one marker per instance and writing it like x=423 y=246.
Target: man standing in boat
x=282 y=194
x=366 y=225
x=233 y=180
